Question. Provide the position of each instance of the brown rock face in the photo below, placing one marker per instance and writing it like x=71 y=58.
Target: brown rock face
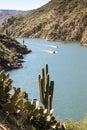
x=84 y=38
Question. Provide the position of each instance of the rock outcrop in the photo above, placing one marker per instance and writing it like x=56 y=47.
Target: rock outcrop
x=84 y=38
x=11 y=53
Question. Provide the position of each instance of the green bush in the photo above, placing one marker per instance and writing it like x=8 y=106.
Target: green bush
x=73 y=125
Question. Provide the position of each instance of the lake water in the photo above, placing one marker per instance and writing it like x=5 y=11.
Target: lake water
x=68 y=69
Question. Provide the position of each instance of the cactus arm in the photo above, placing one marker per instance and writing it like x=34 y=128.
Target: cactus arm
x=46 y=69
x=40 y=88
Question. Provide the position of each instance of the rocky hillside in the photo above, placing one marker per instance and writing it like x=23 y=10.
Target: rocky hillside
x=11 y=53
x=58 y=20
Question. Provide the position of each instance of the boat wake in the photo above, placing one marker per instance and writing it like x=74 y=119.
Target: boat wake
x=50 y=51
x=53 y=46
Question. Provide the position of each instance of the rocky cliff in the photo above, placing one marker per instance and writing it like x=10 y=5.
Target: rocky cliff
x=11 y=53
x=58 y=20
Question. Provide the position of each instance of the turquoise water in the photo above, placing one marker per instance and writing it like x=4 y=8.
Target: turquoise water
x=68 y=69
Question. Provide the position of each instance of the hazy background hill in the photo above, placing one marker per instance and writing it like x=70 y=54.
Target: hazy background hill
x=57 y=20
x=6 y=11
x=3 y=17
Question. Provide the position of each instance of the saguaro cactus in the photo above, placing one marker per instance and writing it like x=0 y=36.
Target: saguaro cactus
x=46 y=88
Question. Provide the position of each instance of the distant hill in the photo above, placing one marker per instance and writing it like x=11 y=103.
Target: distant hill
x=6 y=11
x=58 y=20
x=4 y=14
x=3 y=17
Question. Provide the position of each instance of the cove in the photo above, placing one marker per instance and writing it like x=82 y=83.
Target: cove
x=68 y=69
